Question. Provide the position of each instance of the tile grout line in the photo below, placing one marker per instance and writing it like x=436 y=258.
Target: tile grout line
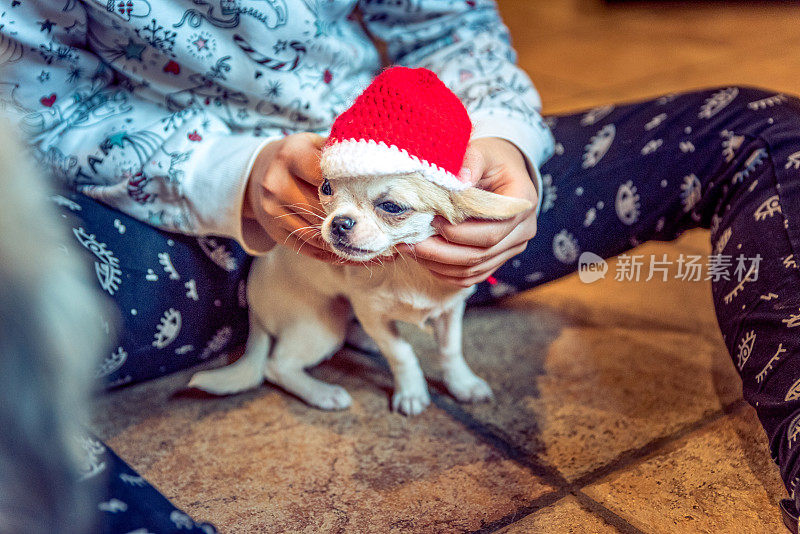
x=537 y=467
x=549 y=474
x=477 y=428
x=543 y=501
x=627 y=458
x=553 y=497
x=599 y=510
x=554 y=477
x=542 y=470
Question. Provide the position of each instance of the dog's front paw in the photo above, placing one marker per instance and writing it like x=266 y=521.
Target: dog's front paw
x=329 y=397
x=469 y=389
x=411 y=401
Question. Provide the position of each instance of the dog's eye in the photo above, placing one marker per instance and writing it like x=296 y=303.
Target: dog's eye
x=391 y=207
x=325 y=188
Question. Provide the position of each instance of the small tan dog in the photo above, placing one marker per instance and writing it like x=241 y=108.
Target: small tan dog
x=296 y=301
x=375 y=196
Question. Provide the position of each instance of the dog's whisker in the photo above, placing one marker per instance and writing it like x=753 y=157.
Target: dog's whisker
x=413 y=253
x=300 y=238
x=309 y=233
x=302 y=244
x=300 y=215
x=301 y=209
x=297 y=215
x=294 y=214
x=303 y=241
x=294 y=208
x=309 y=212
x=300 y=229
x=309 y=207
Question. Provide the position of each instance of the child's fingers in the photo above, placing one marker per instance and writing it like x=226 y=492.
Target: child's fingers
x=476 y=233
x=473 y=167
x=302 y=154
x=483 y=269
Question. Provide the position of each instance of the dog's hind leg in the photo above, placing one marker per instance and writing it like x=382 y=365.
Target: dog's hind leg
x=246 y=373
x=303 y=345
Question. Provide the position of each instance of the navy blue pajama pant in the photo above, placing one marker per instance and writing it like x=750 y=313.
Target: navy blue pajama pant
x=725 y=159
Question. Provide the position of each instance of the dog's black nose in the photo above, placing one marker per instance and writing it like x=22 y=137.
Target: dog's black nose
x=341 y=224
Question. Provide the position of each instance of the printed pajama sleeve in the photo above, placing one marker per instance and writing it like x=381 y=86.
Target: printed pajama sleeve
x=467 y=45
x=185 y=169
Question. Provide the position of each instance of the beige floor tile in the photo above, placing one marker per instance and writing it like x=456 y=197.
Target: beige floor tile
x=717 y=479
x=265 y=462
x=564 y=517
x=583 y=373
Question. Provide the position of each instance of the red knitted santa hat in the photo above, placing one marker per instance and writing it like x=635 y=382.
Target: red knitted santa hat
x=406 y=121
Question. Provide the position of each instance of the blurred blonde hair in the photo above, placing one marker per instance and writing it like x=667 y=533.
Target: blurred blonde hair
x=50 y=341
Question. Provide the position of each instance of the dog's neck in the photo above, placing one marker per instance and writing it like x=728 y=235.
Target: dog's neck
x=405 y=282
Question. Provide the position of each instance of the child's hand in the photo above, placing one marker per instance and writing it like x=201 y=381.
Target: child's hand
x=467 y=253
x=282 y=194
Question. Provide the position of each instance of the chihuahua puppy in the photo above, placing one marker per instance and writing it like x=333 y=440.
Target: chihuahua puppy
x=300 y=307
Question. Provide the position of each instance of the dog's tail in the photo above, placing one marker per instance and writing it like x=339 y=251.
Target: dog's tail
x=246 y=373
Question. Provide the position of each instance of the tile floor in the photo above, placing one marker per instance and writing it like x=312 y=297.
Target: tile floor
x=612 y=414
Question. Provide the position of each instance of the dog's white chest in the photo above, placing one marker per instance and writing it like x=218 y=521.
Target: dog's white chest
x=416 y=309
x=409 y=295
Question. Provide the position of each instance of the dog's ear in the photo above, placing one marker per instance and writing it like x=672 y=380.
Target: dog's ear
x=474 y=203
x=471 y=203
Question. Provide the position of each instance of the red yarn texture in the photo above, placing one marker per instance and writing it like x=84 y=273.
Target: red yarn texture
x=413 y=110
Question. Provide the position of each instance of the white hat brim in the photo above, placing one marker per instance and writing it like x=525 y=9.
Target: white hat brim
x=359 y=158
